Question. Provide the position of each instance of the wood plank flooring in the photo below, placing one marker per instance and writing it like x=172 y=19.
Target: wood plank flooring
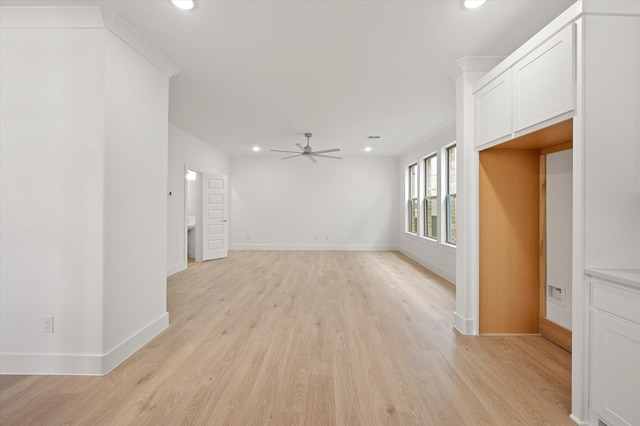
x=309 y=338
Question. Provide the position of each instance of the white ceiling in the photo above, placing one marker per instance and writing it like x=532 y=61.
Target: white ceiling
x=264 y=72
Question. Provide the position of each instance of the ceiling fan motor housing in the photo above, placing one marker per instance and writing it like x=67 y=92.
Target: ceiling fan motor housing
x=307 y=149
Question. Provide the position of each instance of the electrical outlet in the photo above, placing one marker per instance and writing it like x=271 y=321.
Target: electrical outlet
x=47 y=324
x=556 y=294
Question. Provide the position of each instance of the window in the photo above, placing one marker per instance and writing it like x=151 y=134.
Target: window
x=412 y=202
x=450 y=199
x=431 y=197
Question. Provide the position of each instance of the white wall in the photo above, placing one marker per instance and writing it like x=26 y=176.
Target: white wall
x=83 y=172
x=192 y=210
x=559 y=218
x=438 y=257
x=51 y=177
x=347 y=204
x=192 y=197
x=135 y=194
x=612 y=143
x=185 y=150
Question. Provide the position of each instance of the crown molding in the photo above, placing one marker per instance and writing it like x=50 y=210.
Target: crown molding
x=130 y=36
x=85 y=17
x=474 y=63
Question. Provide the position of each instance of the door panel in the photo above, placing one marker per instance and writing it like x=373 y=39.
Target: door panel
x=215 y=232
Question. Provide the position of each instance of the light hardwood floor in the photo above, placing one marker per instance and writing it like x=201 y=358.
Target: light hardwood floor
x=309 y=338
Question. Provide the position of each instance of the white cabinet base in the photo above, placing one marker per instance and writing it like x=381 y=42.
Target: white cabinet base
x=615 y=371
x=614 y=354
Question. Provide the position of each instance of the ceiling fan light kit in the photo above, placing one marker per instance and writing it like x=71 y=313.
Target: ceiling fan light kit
x=307 y=151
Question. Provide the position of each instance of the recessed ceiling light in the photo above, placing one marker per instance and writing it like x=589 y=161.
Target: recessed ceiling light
x=183 y=4
x=373 y=137
x=368 y=149
x=472 y=4
x=256 y=148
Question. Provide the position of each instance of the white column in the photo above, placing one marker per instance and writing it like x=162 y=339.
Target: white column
x=466 y=313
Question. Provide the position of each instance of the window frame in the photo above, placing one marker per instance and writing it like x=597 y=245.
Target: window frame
x=411 y=204
x=426 y=198
x=450 y=197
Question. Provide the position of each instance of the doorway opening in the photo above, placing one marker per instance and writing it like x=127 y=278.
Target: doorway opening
x=191 y=213
x=206 y=216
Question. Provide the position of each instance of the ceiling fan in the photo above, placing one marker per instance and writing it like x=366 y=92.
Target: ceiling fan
x=308 y=152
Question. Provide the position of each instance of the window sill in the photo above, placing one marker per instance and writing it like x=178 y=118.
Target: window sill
x=429 y=241
x=448 y=247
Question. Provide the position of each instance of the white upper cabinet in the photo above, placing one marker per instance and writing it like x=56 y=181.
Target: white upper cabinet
x=492 y=110
x=544 y=82
x=537 y=88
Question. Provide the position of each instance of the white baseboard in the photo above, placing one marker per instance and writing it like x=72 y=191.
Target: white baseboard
x=321 y=247
x=463 y=325
x=578 y=421
x=128 y=347
x=174 y=269
x=51 y=364
x=81 y=364
x=447 y=275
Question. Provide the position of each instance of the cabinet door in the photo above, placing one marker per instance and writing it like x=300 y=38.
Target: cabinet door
x=492 y=110
x=615 y=370
x=543 y=81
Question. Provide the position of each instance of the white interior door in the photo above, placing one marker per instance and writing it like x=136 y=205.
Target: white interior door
x=215 y=228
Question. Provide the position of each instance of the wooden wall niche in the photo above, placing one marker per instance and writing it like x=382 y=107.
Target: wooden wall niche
x=509 y=215
x=512 y=250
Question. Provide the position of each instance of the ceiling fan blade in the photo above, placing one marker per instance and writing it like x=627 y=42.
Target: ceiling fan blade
x=279 y=150
x=291 y=156
x=308 y=151
x=327 y=156
x=326 y=150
